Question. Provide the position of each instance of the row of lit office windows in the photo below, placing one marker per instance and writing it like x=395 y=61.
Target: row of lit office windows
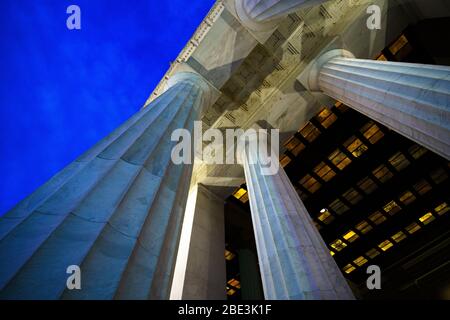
x=395 y=238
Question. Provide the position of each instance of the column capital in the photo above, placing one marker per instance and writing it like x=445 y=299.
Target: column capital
x=265 y=15
x=185 y=74
x=316 y=67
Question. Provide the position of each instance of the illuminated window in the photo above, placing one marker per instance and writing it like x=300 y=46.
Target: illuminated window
x=367 y=185
x=294 y=145
x=360 y=261
x=332 y=253
x=350 y=236
x=229 y=255
x=439 y=175
x=324 y=172
x=407 y=197
x=385 y=245
x=381 y=57
x=235 y=283
x=310 y=183
x=241 y=194
x=338 y=245
x=339 y=159
x=382 y=173
x=372 y=253
x=355 y=146
x=363 y=227
x=399 y=161
x=284 y=161
x=230 y=291
x=310 y=132
x=398 y=44
x=399 y=236
x=348 y=268
x=413 y=227
x=392 y=208
x=372 y=132
x=442 y=208
x=326 y=118
x=427 y=218
x=417 y=151
x=422 y=187
x=341 y=107
x=377 y=217
x=338 y=206
x=325 y=216
x=352 y=196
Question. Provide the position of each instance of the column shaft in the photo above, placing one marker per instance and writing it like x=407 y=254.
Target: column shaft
x=294 y=261
x=411 y=99
x=116 y=212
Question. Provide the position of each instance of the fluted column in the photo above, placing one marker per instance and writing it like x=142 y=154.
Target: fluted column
x=294 y=261
x=256 y=13
x=411 y=99
x=116 y=211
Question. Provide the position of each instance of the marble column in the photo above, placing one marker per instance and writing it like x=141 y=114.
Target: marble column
x=256 y=13
x=250 y=281
x=205 y=274
x=116 y=211
x=411 y=99
x=294 y=261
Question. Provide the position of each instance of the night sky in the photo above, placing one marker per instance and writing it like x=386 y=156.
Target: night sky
x=63 y=90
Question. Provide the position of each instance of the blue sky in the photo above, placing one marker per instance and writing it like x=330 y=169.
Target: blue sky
x=63 y=90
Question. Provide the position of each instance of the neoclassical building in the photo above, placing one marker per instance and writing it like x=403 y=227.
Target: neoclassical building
x=363 y=110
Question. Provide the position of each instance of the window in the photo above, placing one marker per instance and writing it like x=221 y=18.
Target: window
x=352 y=196
x=230 y=291
x=442 y=208
x=241 y=194
x=407 y=197
x=339 y=159
x=324 y=172
x=338 y=206
x=372 y=253
x=355 y=146
x=310 y=183
x=439 y=175
x=350 y=236
x=385 y=245
x=229 y=255
x=325 y=216
x=294 y=146
x=310 y=132
x=360 y=261
x=235 y=283
x=382 y=173
x=399 y=236
x=413 y=227
x=372 y=132
x=417 y=151
x=392 y=208
x=398 y=44
x=367 y=185
x=422 y=187
x=363 y=227
x=332 y=253
x=377 y=217
x=426 y=218
x=341 y=107
x=284 y=161
x=326 y=118
x=381 y=57
x=338 y=245
x=399 y=161
x=348 y=268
